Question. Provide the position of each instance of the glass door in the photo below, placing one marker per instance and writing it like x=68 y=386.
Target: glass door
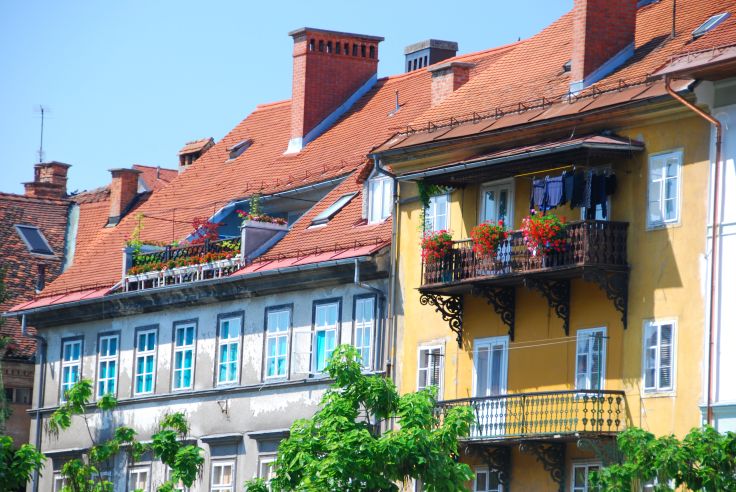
x=497 y=202
x=490 y=356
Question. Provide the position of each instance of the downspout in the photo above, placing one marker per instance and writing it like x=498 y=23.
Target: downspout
x=381 y=296
x=41 y=351
x=714 y=245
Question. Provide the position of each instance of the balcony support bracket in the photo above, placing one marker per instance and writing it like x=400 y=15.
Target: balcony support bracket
x=451 y=309
x=499 y=459
x=552 y=458
x=616 y=287
x=605 y=449
x=557 y=293
x=503 y=301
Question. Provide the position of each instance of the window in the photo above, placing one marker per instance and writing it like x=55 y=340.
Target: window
x=238 y=148
x=229 y=351
x=59 y=481
x=20 y=396
x=658 y=356
x=486 y=481
x=138 y=479
x=365 y=314
x=278 y=321
x=590 y=361
x=435 y=217
x=430 y=368
x=179 y=486
x=490 y=363
x=664 y=189
x=34 y=239
x=145 y=362
x=581 y=473
x=497 y=201
x=184 y=340
x=265 y=467
x=326 y=315
x=107 y=364
x=71 y=358
x=379 y=199
x=710 y=24
x=325 y=216
x=598 y=211
x=223 y=476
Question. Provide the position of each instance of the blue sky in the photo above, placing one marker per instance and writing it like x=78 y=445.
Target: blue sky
x=129 y=82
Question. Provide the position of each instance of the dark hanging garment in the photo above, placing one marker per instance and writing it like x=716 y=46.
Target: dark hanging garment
x=555 y=192
x=575 y=188
x=611 y=184
x=537 y=201
x=598 y=194
x=566 y=187
x=588 y=190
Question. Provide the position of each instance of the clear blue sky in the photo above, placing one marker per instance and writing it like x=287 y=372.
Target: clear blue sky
x=131 y=81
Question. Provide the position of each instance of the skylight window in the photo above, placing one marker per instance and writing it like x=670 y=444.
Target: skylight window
x=710 y=24
x=325 y=216
x=239 y=148
x=34 y=239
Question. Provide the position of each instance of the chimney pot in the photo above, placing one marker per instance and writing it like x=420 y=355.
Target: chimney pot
x=123 y=192
x=49 y=180
x=428 y=52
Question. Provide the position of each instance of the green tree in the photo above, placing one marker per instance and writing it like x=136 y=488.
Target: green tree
x=85 y=474
x=5 y=411
x=342 y=448
x=17 y=465
x=705 y=460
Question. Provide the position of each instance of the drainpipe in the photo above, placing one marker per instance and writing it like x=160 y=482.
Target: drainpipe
x=379 y=294
x=41 y=351
x=714 y=245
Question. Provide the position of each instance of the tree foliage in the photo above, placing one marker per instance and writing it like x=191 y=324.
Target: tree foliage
x=705 y=460
x=342 y=448
x=85 y=474
x=17 y=465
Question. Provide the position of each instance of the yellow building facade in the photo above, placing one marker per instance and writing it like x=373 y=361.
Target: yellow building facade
x=551 y=353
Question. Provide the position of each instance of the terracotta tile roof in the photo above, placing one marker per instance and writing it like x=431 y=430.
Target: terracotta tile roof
x=155 y=177
x=195 y=145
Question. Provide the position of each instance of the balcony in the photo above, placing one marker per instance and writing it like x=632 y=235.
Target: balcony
x=554 y=415
x=595 y=251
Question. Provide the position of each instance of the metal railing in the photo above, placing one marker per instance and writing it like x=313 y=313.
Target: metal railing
x=171 y=253
x=543 y=414
x=587 y=242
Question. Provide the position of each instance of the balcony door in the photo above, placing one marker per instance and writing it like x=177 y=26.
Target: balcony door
x=497 y=202
x=490 y=374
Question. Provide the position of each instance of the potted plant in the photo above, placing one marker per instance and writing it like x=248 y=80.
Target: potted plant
x=437 y=252
x=487 y=237
x=543 y=233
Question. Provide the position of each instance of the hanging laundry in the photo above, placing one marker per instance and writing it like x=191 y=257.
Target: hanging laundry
x=597 y=196
x=611 y=184
x=555 y=192
x=574 y=188
x=537 y=201
x=588 y=189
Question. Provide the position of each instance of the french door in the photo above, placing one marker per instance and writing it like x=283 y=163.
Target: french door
x=497 y=202
x=490 y=375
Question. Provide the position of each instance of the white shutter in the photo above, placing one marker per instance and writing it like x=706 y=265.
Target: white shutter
x=665 y=357
x=301 y=351
x=656 y=171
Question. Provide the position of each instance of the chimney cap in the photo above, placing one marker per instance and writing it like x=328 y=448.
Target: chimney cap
x=431 y=43
x=53 y=163
x=451 y=64
x=124 y=170
x=364 y=37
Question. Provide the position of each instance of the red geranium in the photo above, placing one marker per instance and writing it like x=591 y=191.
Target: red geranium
x=260 y=217
x=436 y=246
x=544 y=233
x=487 y=237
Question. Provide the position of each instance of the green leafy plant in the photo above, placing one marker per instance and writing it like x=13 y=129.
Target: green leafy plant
x=342 y=446
x=167 y=444
x=426 y=192
x=705 y=460
x=17 y=465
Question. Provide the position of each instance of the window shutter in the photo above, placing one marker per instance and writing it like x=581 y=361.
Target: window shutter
x=665 y=357
x=301 y=352
x=656 y=170
x=435 y=367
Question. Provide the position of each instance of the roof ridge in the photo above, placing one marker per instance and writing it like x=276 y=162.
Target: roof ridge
x=17 y=196
x=270 y=105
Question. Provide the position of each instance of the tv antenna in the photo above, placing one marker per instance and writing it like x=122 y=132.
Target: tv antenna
x=43 y=111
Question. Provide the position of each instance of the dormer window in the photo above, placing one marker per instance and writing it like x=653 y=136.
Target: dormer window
x=710 y=24
x=239 y=148
x=327 y=214
x=34 y=240
x=380 y=189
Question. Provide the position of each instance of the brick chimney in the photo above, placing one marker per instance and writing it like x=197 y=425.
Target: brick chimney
x=49 y=180
x=428 y=52
x=332 y=70
x=447 y=78
x=602 y=39
x=123 y=192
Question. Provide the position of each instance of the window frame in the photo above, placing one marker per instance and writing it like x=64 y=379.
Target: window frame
x=430 y=219
x=64 y=341
x=28 y=245
x=587 y=464
x=374 y=329
x=289 y=332
x=373 y=182
x=137 y=469
x=478 y=343
x=58 y=477
x=239 y=360
x=264 y=459
x=430 y=347
x=107 y=358
x=220 y=487
x=335 y=207
x=194 y=323
x=498 y=185
x=488 y=471
x=338 y=328
x=604 y=358
x=656 y=391
x=138 y=331
x=664 y=223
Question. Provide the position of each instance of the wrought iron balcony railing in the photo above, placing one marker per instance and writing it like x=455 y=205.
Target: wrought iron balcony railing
x=595 y=243
x=536 y=415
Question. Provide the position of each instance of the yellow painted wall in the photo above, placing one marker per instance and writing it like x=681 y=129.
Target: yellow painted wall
x=667 y=272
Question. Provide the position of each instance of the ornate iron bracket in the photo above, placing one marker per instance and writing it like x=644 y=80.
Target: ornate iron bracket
x=503 y=301
x=616 y=287
x=557 y=293
x=451 y=308
x=606 y=450
x=552 y=458
x=499 y=460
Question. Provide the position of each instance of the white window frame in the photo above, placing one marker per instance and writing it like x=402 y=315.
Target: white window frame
x=145 y=354
x=587 y=465
x=499 y=185
x=223 y=343
x=70 y=364
x=107 y=359
x=439 y=206
x=135 y=471
x=588 y=332
x=263 y=460
x=479 y=343
x=360 y=326
x=59 y=482
x=177 y=374
x=380 y=187
x=657 y=390
x=420 y=369
x=326 y=328
x=275 y=337
x=484 y=469
x=663 y=157
x=222 y=487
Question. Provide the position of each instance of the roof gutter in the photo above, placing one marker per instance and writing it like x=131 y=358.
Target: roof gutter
x=41 y=349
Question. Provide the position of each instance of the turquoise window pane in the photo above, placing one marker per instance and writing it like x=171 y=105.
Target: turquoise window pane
x=188 y=359
x=232 y=374
x=281 y=366
x=187 y=378
x=149 y=364
x=140 y=363
x=139 y=384
x=271 y=367
x=282 y=345
x=233 y=352
x=149 y=382
x=177 y=360
x=320 y=351
x=152 y=341
x=113 y=346
x=271 y=347
x=190 y=335
x=141 y=341
x=223 y=353
x=223 y=373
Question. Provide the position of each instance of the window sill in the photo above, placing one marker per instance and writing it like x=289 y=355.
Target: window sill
x=662 y=226
x=659 y=394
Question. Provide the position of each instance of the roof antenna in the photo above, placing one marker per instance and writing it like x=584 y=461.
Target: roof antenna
x=43 y=110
